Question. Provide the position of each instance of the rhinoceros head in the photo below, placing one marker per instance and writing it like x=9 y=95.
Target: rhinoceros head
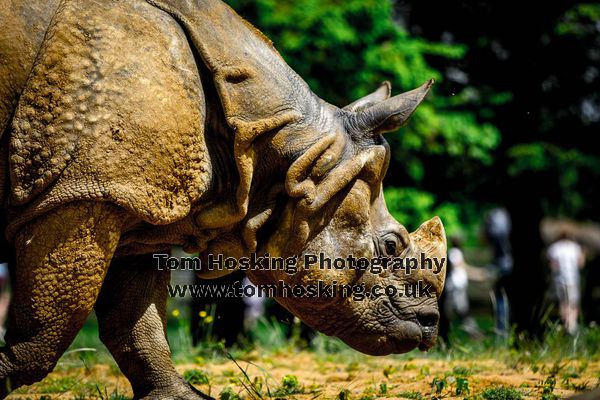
x=310 y=183
x=336 y=210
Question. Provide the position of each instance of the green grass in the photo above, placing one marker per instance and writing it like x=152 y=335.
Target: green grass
x=66 y=384
x=502 y=393
x=289 y=386
x=79 y=388
x=269 y=339
x=410 y=395
x=229 y=394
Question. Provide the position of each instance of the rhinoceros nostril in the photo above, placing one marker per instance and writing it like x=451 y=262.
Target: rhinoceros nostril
x=428 y=319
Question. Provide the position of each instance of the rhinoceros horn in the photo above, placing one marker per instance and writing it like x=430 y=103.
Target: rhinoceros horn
x=392 y=113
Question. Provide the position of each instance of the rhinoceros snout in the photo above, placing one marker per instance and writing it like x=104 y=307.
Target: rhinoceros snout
x=428 y=320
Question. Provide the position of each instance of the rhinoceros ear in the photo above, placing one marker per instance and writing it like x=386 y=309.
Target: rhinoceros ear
x=382 y=93
x=392 y=113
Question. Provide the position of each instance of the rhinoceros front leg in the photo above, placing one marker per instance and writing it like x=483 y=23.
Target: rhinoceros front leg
x=131 y=314
x=62 y=258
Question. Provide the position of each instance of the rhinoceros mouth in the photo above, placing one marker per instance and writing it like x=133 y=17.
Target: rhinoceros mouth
x=393 y=333
x=424 y=340
x=399 y=336
x=408 y=335
x=428 y=334
x=427 y=323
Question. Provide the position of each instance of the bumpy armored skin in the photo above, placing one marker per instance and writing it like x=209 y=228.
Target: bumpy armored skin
x=62 y=259
x=130 y=127
x=132 y=320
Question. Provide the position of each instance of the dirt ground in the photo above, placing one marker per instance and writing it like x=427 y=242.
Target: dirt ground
x=324 y=377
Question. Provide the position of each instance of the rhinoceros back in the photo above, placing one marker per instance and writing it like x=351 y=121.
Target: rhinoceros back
x=24 y=24
x=113 y=110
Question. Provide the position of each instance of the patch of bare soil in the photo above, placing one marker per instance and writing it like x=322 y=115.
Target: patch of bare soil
x=324 y=377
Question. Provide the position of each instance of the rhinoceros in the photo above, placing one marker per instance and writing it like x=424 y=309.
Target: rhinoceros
x=128 y=127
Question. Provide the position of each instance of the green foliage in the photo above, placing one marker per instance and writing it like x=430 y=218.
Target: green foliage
x=344 y=395
x=579 y=20
x=60 y=385
x=388 y=371
x=383 y=388
x=289 y=386
x=344 y=50
x=102 y=394
x=410 y=395
x=368 y=394
x=438 y=385
x=413 y=207
x=453 y=382
x=462 y=371
x=270 y=334
x=548 y=384
x=196 y=377
x=229 y=394
x=117 y=396
x=502 y=393
x=462 y=386
x=539 y=356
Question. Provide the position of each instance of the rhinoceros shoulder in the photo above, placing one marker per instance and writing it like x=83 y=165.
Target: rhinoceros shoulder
x=112 y=110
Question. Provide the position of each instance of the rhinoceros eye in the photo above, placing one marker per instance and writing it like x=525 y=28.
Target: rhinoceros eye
x=391 y=245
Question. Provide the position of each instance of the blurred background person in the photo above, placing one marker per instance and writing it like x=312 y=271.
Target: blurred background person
x=497 y=229
x=566 y=258
x=455 y=300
